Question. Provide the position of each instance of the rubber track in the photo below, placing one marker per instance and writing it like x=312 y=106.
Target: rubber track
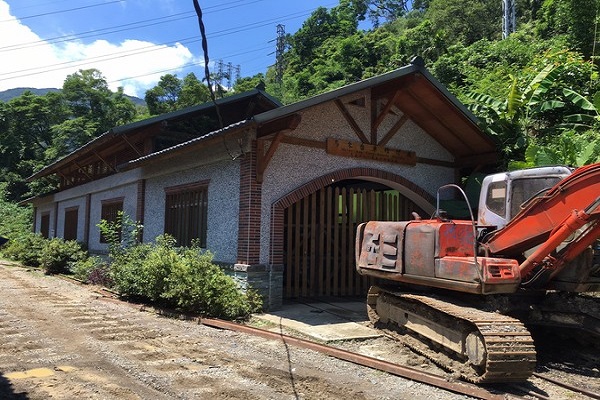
x=511 y=355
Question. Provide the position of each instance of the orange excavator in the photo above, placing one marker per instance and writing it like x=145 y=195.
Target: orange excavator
x=470 y=289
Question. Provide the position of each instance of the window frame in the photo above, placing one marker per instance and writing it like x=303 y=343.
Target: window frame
x=45 y=224
x=186 y=213
x=109 y=211
x=68 y=223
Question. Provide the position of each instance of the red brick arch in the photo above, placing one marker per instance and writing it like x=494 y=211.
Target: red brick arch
x=372 y=174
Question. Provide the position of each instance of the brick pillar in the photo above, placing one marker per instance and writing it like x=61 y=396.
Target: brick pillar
x=267 y=280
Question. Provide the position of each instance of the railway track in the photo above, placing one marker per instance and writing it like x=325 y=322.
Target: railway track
x=498 y=391
x=399 y=370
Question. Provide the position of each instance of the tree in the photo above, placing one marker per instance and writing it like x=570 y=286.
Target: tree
x=193 y=92
x=536 y=111
x=163 y=97
x=26 y=136
x=172 y=93
x=576 y=19
x=386 y=10
x=89 y=97
x=466 y=21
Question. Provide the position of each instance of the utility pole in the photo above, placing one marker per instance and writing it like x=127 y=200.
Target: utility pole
x=509 y=19
x=279 y=50
x=220 y=73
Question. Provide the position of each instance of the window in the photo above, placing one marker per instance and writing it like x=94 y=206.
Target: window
x=70 y=228
x=524 y=189
x=45 y=225
x=186 y=213
x=110 y=212
x=496 y=198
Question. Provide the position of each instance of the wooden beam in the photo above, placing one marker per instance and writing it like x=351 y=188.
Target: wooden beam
x=304 y=142
x=80 y=169
x=477 y=159
x=393 y=130
x=105 y=162
x=374 y=117
x=264 y=159
x=288 y=123
x=351 y=121
x=132 y=146
x=386 y=109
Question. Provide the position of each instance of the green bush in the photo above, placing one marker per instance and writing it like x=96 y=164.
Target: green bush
x=127 y=271
x=92 y=270
x=198 y=285
x=26 y=248
x=184 y=278
x=57 y=255
x=15 y=220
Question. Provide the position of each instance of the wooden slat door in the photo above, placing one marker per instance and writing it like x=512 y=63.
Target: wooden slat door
x=320 y=232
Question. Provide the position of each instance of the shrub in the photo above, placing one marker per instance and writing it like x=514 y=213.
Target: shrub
x=180 y=277
x=58 y=253
x=92 y=270
x=127 y=271
x=26 y=248
x=198 y=285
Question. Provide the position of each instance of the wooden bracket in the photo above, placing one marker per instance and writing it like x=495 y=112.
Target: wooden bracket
x=262 y=159
x=351 y=121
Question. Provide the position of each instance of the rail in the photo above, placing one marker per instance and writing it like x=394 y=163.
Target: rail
x=395 y=369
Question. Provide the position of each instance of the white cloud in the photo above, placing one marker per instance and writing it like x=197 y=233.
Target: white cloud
x=28 y=61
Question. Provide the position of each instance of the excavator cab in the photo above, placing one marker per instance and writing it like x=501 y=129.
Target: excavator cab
x=503 y=195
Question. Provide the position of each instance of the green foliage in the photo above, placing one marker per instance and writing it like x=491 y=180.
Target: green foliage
x=15 y=220
x=172 y=93
x=120 y=234
x=57 y=255
x=196 y=284
x=27 y=249
x=128 y=273
x=37 y=130
x=184 y=278
x=92 y=270
x=466 y=21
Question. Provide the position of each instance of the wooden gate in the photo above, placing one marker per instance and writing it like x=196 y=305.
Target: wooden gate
x=320 y=231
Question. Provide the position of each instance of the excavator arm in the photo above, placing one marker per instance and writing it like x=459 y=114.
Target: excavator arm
x=570 y=208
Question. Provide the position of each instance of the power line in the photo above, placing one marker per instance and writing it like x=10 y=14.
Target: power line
x=77 y=63
x=123 y=27
x=64 y=11
x=111 y=56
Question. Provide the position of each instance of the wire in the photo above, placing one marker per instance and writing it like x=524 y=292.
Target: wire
x=75 y=63
x=117 y=28
x=64 y=11
x=111 y=56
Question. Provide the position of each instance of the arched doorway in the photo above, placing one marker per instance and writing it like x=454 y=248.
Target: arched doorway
x=319 y=235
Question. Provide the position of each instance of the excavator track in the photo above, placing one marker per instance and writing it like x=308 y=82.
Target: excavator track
x=484 y=346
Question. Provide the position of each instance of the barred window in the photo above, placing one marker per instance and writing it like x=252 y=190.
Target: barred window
x=70 y=227
x=110 y=213
x=186 y=213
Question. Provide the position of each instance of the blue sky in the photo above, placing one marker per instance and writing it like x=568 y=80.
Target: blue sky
x=134 y=42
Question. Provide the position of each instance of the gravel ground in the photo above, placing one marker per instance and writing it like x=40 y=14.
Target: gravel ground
x=61 y=340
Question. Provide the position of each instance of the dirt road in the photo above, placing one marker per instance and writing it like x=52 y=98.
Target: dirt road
x=59 y=340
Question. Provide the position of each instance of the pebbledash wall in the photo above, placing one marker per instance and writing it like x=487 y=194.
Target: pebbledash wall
x=296 y=171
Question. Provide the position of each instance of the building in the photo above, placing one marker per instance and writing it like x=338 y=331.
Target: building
x=274 y=191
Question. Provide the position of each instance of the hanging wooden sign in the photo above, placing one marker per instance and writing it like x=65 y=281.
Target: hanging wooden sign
x=347 y=148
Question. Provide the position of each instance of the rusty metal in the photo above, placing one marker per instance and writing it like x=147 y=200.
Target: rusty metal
x=541 y=216
x=394 y=369
x=589 y=393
